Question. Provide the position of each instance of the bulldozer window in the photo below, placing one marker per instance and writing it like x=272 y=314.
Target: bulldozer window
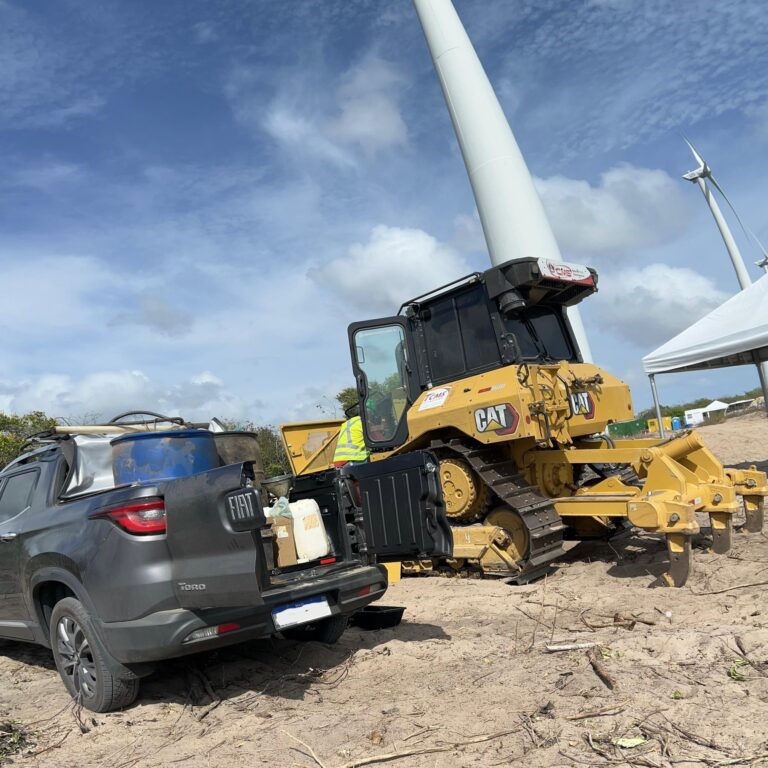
x=541 y=335
x=459 y=335
x=380 y=356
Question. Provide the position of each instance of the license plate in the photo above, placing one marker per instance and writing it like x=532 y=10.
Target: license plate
x=301 y=612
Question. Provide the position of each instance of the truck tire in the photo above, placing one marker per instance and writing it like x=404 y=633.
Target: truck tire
x=83 y=662
x=323 y=631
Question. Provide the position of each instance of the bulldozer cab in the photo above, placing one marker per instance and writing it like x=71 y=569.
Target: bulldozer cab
x=508 y=315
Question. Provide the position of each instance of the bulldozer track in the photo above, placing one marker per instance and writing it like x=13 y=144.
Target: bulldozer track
x=501 y=475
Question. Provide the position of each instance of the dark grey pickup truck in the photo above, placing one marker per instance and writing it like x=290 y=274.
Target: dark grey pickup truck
x=114 y=580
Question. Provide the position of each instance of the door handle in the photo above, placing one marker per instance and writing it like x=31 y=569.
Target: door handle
x=8 y=536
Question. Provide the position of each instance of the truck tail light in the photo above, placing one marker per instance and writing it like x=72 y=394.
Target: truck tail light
x=140 y=518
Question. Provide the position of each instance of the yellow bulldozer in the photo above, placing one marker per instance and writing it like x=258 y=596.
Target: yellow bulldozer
x=485 y=373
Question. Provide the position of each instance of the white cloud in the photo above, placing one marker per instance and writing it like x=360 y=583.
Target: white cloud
x=758 y=116
x=205 y=32
x=630 y=208
x=649 y=305
x=393 y=266
x=369 y=114
x=609 y=74
x=468 y=233
x=106 y=393
x=43 y=176
x=82 y=106
x=61 y=288
x=362 y=115
x=304 y=136
x=158 y=314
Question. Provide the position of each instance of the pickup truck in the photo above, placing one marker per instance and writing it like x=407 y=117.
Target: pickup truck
x=116 y=579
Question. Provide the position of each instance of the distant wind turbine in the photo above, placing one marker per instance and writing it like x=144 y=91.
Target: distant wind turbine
x=700 y=176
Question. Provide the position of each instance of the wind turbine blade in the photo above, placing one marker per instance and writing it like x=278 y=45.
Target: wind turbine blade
x=714 y=183
x=744 y=228
x=699 y=159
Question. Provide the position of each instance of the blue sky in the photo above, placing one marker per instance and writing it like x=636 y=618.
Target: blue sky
x=197 y=198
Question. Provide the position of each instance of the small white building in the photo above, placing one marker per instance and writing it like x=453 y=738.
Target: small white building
x=739 y=406
x=699 y=415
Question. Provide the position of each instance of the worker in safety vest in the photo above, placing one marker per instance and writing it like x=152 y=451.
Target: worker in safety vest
x=350 y=447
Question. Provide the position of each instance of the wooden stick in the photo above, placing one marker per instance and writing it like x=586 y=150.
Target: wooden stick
x=600 y=670
x=569 y=647
x=304 y=744
x=422 y=751
x=598 y=713
x=730 y=589
x=103 y=429
x=49 y=747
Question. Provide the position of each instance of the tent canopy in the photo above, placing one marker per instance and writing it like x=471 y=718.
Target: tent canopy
x=736 y=333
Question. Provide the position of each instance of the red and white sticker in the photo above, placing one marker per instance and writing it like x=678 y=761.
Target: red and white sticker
x=565 y=272
x=435 y=398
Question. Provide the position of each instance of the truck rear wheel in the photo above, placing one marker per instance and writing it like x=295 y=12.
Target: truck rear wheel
x=83 y=662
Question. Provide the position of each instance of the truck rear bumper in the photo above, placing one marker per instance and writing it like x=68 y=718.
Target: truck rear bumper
x=162 y=635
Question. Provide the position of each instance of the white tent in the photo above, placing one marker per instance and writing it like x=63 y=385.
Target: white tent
x=736 y=333
x=695 y=416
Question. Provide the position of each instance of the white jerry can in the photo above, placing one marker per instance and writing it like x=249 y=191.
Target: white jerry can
x=309 y=530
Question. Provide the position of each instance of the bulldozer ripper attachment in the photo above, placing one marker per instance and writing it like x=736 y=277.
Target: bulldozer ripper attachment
x=752 y=486
x=678 y=478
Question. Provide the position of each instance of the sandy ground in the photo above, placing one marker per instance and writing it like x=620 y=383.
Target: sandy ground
x=466 y=673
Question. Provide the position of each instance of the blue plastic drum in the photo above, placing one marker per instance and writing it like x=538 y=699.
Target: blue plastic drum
x=147 y=457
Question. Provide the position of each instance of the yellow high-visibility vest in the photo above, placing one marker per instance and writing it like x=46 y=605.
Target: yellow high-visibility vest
x=351 y=443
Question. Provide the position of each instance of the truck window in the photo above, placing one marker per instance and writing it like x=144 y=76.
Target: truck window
x=16 y=493
x=459 y=335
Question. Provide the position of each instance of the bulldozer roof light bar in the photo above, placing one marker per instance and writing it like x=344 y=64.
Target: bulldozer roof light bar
x=437 y=291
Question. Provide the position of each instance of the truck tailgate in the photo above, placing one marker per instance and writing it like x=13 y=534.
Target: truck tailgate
x=213 y=534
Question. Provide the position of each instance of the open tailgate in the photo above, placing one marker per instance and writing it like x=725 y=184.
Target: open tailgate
x=213 y=533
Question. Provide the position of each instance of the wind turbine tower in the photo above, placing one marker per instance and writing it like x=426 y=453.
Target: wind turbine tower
x=513 y=218
x=700 y=176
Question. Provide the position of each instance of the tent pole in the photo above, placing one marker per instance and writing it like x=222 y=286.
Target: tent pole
x=762 y=369
x=652 y=379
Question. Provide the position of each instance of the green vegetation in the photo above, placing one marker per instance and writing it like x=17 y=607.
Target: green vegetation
x=347 y=398
x=14 y=430
x=273 y=453
x=13 y=738
x=734 y=671
x=679 y=410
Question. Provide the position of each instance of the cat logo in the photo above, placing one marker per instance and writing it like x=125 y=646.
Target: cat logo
x=582 y=404
x=501 y=419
